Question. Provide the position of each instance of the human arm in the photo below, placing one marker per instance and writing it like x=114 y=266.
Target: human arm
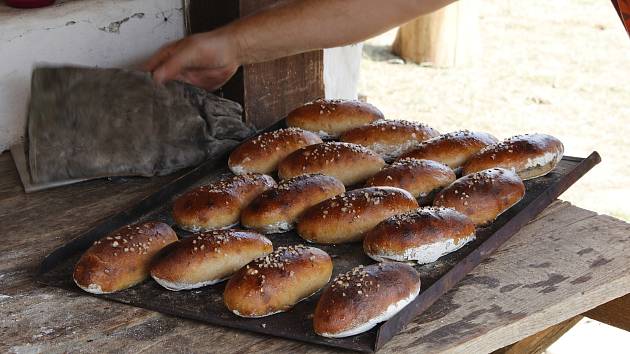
x=210 y=59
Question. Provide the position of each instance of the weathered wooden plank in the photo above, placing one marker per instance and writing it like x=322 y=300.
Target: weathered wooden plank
x=519 y=291
x=553 y=269
x=615 y=313
x=539 y=342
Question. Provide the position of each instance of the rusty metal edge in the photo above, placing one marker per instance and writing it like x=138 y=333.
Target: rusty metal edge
x=391 y=327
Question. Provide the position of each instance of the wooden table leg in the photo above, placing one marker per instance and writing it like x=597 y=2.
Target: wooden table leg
x=540 y=341
x=615 y=313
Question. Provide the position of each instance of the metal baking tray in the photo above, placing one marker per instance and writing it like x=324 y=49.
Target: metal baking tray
x=206 y=304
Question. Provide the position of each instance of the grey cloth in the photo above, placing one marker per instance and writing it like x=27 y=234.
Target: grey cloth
x=87 y=123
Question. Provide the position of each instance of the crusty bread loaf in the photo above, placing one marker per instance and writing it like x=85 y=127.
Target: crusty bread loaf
x=350 y=163
x=390 y=138
x=208 y=258
x=123 y=258
x=278 y=281
x=418 y=177
x=422 y=235
x=329 y=118
x=530 y=155
x=277 y=209
x=219 y=204
x=358 y=300
x=262 y=153
x=346 y=217
x=453 y=148
x=483 y=195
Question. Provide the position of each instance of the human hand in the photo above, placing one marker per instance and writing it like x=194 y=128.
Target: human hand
x=207 y=60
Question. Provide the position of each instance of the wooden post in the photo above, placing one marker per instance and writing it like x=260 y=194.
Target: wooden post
x=447 y=37
x=267 y=91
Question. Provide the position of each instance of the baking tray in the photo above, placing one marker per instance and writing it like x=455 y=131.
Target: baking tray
x=205 y=304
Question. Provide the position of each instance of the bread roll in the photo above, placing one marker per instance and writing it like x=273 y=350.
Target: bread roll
x=390 y=138
x=453 y=148
x=262 y=153
x=422 y=235
x=350 y=163
x=530 y=155
x=208 y=258
x=330 y=118
x=418 y=177
x=278 y=281
x=277 y=209
x=219 y=204
x=123 y=258
x=361 y=298
x=483 y=195
x=346 y=217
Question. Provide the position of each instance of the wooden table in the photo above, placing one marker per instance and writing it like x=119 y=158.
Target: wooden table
x=566 y=262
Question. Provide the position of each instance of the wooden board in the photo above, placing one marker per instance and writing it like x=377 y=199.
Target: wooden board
x=592 y=251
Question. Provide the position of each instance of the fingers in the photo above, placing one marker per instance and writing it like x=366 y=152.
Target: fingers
x=161 y=55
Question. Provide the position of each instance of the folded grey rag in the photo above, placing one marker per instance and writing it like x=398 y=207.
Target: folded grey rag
x=87 y=123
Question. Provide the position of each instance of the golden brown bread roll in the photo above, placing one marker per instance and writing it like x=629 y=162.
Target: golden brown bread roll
x=418 y=177
x=219 y=204
x=530 y=155
x=344 y=218
x=361 y=298
x=208 y=258
x=422 y=235
x=278 y=281
x=262 y=153
x=277 y=209
x=390 y=138
x=329 y=118
x=123 y=258
x=350 y=163
x=483 y=195
x=453 y=148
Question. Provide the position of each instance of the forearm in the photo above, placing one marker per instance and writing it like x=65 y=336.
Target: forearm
x=303 y=25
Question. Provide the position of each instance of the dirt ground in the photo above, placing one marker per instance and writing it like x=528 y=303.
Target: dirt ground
x=560 y=67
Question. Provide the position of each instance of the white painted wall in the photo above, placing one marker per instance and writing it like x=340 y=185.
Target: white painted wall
x=104 y=33
x=341 y=71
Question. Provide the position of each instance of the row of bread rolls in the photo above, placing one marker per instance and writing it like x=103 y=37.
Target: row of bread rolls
x=312 y=198
x=262 y=281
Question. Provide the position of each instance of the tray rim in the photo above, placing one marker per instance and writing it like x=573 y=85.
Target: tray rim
x=386 y=330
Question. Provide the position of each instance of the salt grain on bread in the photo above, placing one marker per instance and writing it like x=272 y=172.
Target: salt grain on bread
x=123 y=258
x=219 y=204
x=208 y=258
x=453 y=148
x=390 y=138
x=330 y=118
x=530 y=155
x=418 y=177
x=358 y=300
x=344 y=218
x=277 y=281
x=350 y=163
x=422 y=235
x=483 y=195
x=262 y=153
x=277 y=209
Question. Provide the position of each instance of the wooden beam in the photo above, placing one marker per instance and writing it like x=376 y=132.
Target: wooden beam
x=444 y=38
x=267 y=91
x=615 y=313
x=540 y=341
